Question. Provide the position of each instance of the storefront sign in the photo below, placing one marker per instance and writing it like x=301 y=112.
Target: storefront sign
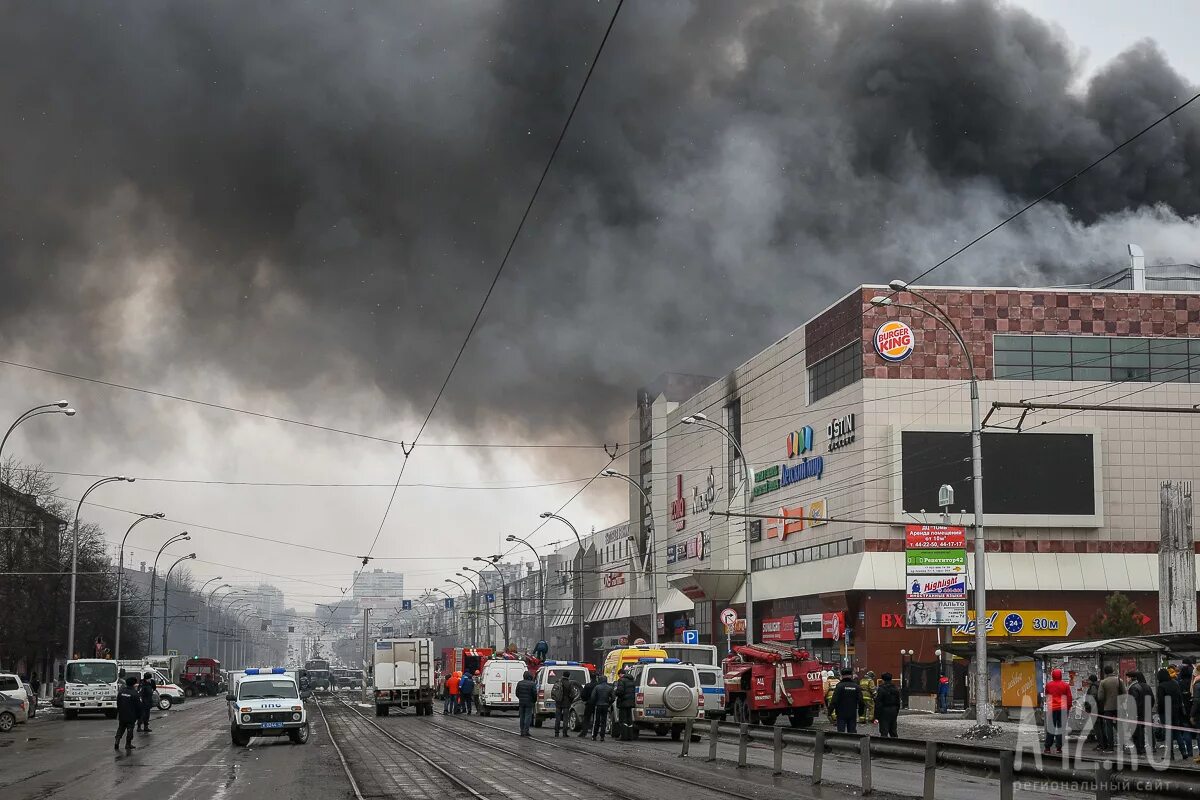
x=780 y=475
x=841 y=432
x=811 y=626
x=833 y=625
x=922 y=587
x=612 y=579
x=936 y=562
x=679 y=505
x=780 y=629
x=931 y=613
x=695 y=547
x=703 y=500
x=617 y=534
x=894 y=341
x=1024 y=624
x=799 y=442
x=922 y=537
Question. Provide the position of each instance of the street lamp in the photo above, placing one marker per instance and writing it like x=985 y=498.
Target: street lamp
x=75 y=552
x=121 y=575
x=58 y=407
x=578 y=575
x=482 y=597
x=474 y=617
x=448 y=595
x=983 y=706
x=208 y=615
x=747 y=481
x=541 y=574
x=905 y=661
x=503 y=591
x=166 y=586
x=179 y=537
x=650 y=565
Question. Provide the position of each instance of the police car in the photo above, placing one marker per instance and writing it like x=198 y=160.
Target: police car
x=550 y=673
x=266 y=702
x=712 y=687
x=668 y=695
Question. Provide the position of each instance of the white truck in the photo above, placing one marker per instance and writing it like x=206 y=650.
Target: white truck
x=90 y=686
x=403 y=675
x=266 y=702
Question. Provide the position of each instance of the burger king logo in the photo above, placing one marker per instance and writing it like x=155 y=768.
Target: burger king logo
x=893 y=341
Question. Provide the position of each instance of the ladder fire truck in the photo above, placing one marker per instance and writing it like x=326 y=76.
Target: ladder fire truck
x=767 y=679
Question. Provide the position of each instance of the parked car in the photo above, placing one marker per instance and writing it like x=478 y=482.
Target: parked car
x=13 y=687
x=33 y=699
x=12 y=712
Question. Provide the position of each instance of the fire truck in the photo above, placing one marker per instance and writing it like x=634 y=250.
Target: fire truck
x=767 y=679
x=466 y=660
x=201 y=676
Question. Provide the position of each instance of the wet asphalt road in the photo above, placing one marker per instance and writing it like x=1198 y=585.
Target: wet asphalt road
x=188 y=754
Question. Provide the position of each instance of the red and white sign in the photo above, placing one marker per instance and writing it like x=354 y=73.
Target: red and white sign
x=728 y=616
x=929 y=537
x=894 y=341
x=833 y=625
x=612 y=579
x=779 y=629
x=790 y=521
x=679 y=505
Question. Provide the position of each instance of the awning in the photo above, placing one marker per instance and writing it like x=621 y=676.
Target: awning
x=612 y=608
x=675 y=602
x=1129 y=644
x=561 y=620
x=704 y=585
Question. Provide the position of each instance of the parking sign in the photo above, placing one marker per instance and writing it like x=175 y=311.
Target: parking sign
x=691 y=637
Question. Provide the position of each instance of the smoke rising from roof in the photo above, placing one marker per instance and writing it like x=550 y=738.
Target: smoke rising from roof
x=302 y=201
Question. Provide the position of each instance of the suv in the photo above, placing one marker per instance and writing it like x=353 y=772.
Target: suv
x=266 y=703
x=668 y=695
x=549 y=674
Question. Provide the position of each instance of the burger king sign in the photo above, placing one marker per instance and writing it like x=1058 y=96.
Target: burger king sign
x=893 y=341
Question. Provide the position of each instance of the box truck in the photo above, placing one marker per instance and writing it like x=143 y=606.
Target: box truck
x=403 y=674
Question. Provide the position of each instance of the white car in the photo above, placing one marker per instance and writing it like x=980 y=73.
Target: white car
x=265 y=702
x=13 y=687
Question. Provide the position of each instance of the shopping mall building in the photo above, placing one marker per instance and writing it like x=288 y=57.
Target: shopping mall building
x=852 y=428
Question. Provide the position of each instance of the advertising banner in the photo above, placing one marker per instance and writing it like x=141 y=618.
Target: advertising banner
x=780 y=629
x=1025 y=624
x=833 y=625
x=927 y=537
x=935 y=587
x=936 y=562
x=931 y=613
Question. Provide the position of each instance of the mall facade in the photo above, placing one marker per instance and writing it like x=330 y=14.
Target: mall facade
x=852 y=427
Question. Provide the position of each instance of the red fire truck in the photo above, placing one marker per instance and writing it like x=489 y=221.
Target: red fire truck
x=767 y=679
x=464 y=659
x=201 y=676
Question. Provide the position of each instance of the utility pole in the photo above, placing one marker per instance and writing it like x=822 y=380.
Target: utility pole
x=1176 y=558
x=366 y=622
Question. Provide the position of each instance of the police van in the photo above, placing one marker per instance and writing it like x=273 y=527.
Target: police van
x=550 y=673
x=712 y=686
x=266 y=702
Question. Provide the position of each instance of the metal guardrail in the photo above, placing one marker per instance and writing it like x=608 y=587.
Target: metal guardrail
x=1106 y=778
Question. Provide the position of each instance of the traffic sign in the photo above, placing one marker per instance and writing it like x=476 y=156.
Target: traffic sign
x=406 y=605
x=1056 y=624
x=729 y=616
x=490 y=597
x=691 y=637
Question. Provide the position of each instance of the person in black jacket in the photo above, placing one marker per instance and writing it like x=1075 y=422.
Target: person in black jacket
x=526 y=692
x=887 y=706
x=147 y=692
x=589 y=708
x=625 y=693
x=1170 y=713
x=847 y=702
x=129 y=711
x=602 y=697
x=1143 y=703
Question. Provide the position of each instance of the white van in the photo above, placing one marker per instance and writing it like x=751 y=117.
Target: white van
x=500 y=678
x=166 y=691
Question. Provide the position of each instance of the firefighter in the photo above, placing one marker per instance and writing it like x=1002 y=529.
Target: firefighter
x=867 y=684
x=830 y=684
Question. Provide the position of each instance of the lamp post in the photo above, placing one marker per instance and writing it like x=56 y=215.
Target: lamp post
x=747 y=482
x=542 y=577
x=224 y=611
x=578 y=575
x=503 y=591
x=475 y=613
x=482 y=598
x=208 y=616
x=179 y=537
x=651 y=555
x=983 y=706
x=121 y=575
x=449 y=596
x=905 y=661
x=466 y=599
x=75 y=549
x=57 y=407
x=166 y=586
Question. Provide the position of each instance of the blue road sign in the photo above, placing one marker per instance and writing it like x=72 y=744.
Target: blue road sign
x=691 y=637
x=406 y=605
x=491 y=597
x=449 y=601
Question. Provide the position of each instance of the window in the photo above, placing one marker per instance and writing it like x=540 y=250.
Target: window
x=8 y=683
x=835 y=372
x=665 y=676
x=803 y=555
x=1096 y=358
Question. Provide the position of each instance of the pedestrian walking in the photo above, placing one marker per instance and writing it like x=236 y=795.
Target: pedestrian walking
x=129 y=712
x=1186 y=675
x=867 y=684
x=146 y=689
x=1106 y=701
x=466 y=690
x=847 y=702
x=887 y=706
x=1091 y=706
x=1058 y=703
x=36 y=684
x=602 y=697
x=526 y=698
x=446 y=697
x=1170 y=713
x=943 y=695
x=452 y=692
x=589 y=707
x=1143 y=704
x=625 y=693
x=563 y=694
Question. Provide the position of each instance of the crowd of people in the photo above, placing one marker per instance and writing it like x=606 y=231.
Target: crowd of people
x=850 y=701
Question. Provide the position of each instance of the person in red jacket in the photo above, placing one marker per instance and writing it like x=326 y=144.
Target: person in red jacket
x=1058 y=703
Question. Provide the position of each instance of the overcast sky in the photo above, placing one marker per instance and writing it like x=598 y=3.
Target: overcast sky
x=299 y=215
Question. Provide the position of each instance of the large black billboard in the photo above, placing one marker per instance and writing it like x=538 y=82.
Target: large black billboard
x=1023 y=473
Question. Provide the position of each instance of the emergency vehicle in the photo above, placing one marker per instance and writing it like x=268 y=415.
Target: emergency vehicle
x=266 y=702
x=201 y=676
x=617 y=660
x=467 y=660
x=667 y=696
x=404 y=676
x=767 y=679
x=168 y=692
x=550 y=673
x=90 y=686
x=500 y=677
x=712 y=686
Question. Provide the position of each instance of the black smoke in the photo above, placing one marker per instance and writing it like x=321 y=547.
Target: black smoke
x=310 y=198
